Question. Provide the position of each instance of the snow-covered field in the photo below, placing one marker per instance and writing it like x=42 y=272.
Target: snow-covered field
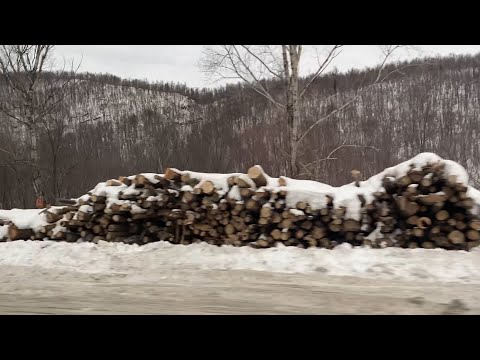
x=390 y=263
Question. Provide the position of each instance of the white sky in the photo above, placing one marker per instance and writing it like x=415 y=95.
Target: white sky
x=178 y=63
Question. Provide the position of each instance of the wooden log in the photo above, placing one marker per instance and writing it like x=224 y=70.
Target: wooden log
x=441 y=241
x=418 y=232
x=286 y=224
x=172 y=174
x=242 y=182
x=119 y=218
x=312 y=242
x=456 y=237
x=426 y=182
x=52 y=217
x=113 y=182
x=279 y=204
x=349 y=236
x=459 y=217
x=76 y=223
x=299 y=234
x=319 y=232
x=118 y=228
x=97 y=229
x=257 y=174
x=428 y=245
x=229 y=229
x=99 y=207
x=404 y=181
x=276 y=218
x=324 y=211
x=66 y=201
x=207 y=187
x=105 y=220
x=265 y=212
x=335 y=227
x=408 y=208
x=83 y=216
x=473 y=235
x=307 y=225
x=468 y=203
x=442 y=215
x=276 y=234
x=73 y=237
x=416 y=176
x=451 y=222
x=432 y=199
x=325 y=243
x=263 y=243
x=285 y=235
x=424 y=222
x=47 y=228
x=59 y=235
x=14 y=233
x=460 y=225
x=472 y=244
x=282 y=181
x=96 y=239
x=69 y=215
x=301 y=205
x=438 y=206
x=98 y=199
x=246 y=192
x=125 y=180
x=351 y=225
x=435 y=230
x=231 y=181
x=412 y=220
x=112 y=236
x=474 y=224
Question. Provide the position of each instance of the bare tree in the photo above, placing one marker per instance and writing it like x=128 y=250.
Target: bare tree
x=254 y=64
x=32 y=100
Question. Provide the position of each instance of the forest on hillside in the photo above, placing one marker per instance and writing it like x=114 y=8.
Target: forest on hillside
x=107 y=127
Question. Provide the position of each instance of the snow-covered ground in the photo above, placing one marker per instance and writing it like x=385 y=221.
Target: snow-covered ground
x=161 y=278
x=117 y=258
x=47 y=277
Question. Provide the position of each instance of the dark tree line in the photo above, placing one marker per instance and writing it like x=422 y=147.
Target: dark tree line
x=108 y=127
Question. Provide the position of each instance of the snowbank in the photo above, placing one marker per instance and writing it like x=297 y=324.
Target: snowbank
x=316 y=193
x=3 y=231
x=390 y=263
x=25 y=219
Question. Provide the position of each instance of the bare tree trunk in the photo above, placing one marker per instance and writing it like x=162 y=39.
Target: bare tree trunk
x=291 y=60
x=37 y=180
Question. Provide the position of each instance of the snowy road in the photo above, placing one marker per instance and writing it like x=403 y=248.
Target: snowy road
x=34 y=290
x=160 y=278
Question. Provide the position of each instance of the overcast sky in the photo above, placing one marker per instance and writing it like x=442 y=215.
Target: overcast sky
x=178 y=63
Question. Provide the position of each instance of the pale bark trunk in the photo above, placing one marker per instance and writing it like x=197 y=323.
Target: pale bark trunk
x=35 y=162
x=291 y=59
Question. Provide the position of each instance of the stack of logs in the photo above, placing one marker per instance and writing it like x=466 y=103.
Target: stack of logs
x=427 y=209
x=424 y=208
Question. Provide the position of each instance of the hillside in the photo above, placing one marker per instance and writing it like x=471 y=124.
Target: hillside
x=110 y=127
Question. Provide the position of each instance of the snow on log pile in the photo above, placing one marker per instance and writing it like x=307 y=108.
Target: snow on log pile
x=424 y=202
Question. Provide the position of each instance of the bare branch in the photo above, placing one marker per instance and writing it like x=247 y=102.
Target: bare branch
x=377 y=81
x=331 y=55
x=329 y=157
x=262 y=62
